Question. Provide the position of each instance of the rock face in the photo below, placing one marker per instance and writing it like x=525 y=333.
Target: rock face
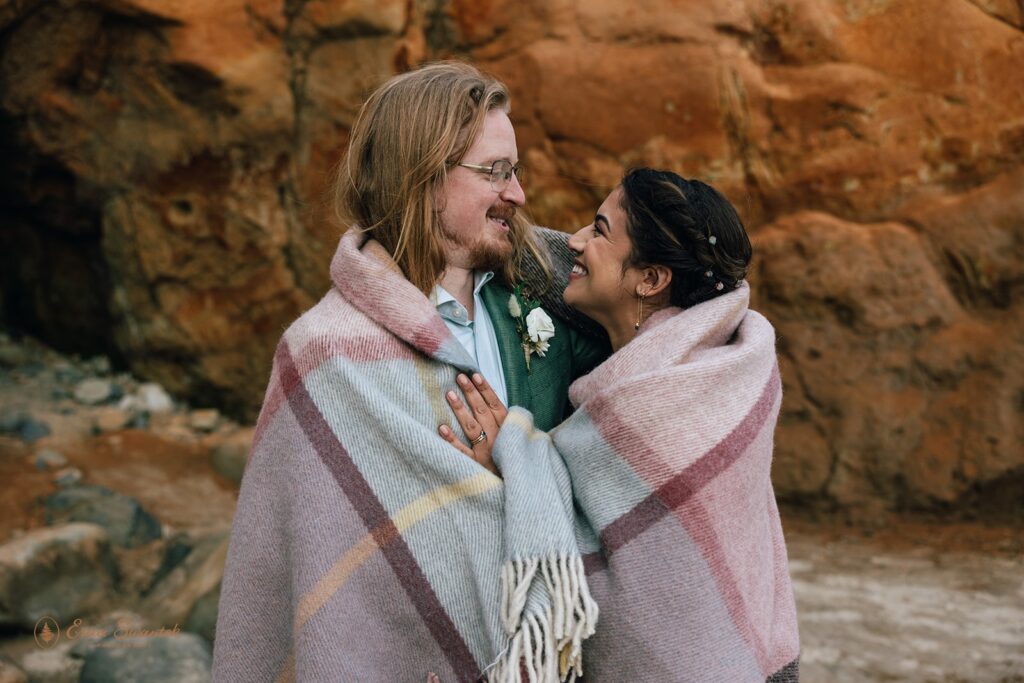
x=166 y=168
x=905 y=388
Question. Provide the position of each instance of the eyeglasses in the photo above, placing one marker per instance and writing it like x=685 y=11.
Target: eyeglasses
x=500 y=173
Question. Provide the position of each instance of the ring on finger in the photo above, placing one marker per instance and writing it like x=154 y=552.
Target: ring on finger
x=480 y=439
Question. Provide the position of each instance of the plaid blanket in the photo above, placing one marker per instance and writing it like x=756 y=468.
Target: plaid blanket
x=669 y=455
x=364 y=547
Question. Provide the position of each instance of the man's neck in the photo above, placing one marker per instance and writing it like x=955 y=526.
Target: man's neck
x=459 y=283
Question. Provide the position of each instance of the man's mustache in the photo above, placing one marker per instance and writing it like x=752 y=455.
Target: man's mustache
x=503 y=211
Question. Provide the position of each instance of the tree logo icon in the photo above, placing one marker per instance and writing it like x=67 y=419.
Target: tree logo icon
x=47 y=632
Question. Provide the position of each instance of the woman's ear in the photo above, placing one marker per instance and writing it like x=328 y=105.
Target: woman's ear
x=654 y=280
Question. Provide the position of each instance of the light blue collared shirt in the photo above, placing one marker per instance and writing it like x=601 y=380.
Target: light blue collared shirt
x=476 y=336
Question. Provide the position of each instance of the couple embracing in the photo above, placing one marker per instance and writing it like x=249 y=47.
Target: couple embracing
x=493 y=453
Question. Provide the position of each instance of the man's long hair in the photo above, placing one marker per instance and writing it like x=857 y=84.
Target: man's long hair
x=408 y=134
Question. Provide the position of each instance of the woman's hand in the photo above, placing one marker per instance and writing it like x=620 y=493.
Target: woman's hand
x=480 y=416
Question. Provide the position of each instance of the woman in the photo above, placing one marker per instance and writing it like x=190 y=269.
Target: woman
x=668 y=453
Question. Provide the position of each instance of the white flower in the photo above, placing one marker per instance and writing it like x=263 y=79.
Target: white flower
x=513 y=306
x=542 y=348
x=539 y=326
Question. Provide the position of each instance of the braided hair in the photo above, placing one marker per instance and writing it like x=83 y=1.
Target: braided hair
x=690 y=228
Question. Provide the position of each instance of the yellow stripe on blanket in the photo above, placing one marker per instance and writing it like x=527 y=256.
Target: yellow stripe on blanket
x=412 y=513
x=526 y=424
x=439 y=497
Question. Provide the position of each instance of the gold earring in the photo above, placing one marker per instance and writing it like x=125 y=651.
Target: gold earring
x=639 y=311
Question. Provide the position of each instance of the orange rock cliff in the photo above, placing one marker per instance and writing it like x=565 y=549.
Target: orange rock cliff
x=166 y=163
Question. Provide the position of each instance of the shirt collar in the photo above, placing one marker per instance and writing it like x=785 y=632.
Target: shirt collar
x=481 y=279
x=440 y=295
x=449 y=308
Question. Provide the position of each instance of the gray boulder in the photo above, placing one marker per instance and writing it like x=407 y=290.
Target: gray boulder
x=152 y=658
x=33 y=429
x=17 y=422
x=12 y=356
x=51 y=665
x=47 y=459
x=63 y=572
x=99 y=365
x=154 y=399
x=128 y=524
x=60 y=661
x=176 y=550
x=11 y=420
x=231 y=454
x=67 y=373
x=94 y=391
x=187 y=594
x=67 y=476
x=203 y=617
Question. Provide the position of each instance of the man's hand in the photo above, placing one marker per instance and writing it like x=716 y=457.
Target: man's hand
x=480 y=416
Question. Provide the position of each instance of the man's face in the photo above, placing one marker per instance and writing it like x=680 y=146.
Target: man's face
x=474 y=218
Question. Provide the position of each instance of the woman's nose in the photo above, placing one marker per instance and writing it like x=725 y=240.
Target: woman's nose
x=579 y=240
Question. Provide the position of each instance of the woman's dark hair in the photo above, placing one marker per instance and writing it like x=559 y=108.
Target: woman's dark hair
x=690 y=228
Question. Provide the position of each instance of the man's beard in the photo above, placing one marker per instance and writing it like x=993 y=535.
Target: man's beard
x=489 y=255
x=487 y=252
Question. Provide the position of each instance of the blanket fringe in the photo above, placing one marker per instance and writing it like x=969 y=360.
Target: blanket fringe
x=548 y=646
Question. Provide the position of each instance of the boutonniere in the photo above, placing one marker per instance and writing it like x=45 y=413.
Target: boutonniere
x=533 y=324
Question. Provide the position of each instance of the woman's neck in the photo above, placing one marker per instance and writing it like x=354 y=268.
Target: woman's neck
x=622 y=327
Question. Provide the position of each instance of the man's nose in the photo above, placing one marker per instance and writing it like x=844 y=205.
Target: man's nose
x=513 y=192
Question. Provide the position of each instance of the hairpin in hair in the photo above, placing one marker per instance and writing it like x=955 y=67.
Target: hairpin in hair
x=719 y=286
x=708 y=273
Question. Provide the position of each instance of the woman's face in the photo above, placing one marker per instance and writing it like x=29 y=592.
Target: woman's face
x=598 y=286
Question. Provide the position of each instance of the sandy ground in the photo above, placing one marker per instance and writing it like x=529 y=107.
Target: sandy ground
x=917 y=601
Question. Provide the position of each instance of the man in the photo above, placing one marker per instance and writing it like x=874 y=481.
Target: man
x=364 y=547
x=447 y=215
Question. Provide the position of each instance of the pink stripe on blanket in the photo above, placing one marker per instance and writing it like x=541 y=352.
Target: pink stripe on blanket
x=700 y=525
x=747 y=547
x=393 y=302
x=678 y=495
x=357 y=489
x=432 y=336
x=271 y=402
x=364 y=348
x=681 y=487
